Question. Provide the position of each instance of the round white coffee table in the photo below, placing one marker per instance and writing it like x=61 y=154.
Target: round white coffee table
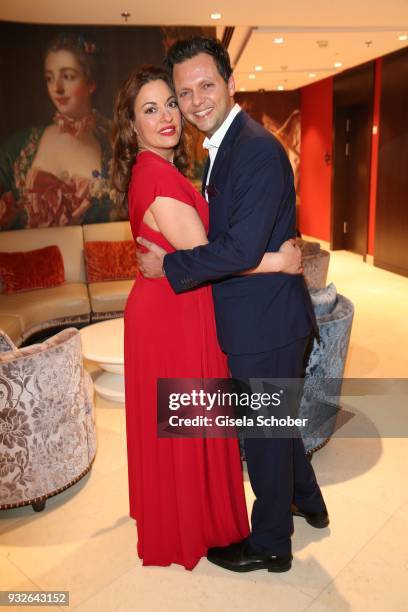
x=102 y=343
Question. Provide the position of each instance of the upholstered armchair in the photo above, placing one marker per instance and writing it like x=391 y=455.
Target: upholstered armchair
x=47 y=429
x=334 y=314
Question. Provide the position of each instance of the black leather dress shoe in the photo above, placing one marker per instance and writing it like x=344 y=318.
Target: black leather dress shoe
x=315 y=519
x=241 y=557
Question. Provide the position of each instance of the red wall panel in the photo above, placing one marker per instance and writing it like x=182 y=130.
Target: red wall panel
x=374 y=157
x=315 y=172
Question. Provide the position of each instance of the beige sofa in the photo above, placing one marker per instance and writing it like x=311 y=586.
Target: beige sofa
x=76 y=301
x=107 y=299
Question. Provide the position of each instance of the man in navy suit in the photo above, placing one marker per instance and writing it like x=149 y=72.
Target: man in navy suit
x=264 y=321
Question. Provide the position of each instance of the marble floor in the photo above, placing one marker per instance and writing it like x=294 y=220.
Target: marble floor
x=84 y=541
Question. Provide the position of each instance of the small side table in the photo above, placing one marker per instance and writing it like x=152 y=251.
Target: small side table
x=102 y=343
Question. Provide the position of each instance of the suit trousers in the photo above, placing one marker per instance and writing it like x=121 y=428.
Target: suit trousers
x=278 y=469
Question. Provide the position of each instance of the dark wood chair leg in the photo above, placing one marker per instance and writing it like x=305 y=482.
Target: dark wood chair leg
x=38 y=506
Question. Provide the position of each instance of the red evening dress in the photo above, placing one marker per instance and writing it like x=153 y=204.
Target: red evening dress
x=186 y=494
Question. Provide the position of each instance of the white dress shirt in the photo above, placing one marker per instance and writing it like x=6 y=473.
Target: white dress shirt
x=214 y=143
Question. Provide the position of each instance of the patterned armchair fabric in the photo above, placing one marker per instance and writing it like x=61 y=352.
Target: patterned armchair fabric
x=6 y=344
x=334 y=314
x=47 y=429
x=315 y=263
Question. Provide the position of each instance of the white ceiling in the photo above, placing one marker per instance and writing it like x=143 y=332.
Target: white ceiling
x=289 y=65
x=346 y=27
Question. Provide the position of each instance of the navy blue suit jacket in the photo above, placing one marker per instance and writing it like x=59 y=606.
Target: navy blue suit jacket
x=252 y=210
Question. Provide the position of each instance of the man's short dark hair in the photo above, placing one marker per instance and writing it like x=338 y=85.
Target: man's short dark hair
x=183 y=50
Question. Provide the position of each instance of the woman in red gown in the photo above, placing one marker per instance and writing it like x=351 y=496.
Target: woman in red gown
x=186 y=494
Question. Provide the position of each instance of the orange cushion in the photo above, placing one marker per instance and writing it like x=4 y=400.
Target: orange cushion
x=39 y=269
x=107 y=261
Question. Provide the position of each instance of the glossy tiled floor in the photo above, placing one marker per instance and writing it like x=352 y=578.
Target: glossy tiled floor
x=84 y=541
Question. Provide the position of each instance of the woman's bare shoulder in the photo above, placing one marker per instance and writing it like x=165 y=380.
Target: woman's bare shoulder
x=51 y=131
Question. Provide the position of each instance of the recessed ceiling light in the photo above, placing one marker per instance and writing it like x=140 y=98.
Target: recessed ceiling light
x=280 y=88
x=215 y=15
x=338 y=64
x=278 y=41
x=312 y=75
x=402 y=37
x=258 y=68
x=251 y=76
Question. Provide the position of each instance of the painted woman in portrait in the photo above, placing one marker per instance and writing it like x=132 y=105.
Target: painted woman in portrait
x=59 y=174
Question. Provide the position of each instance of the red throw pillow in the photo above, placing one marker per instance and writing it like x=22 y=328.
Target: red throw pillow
x=39 y=269
x=106 y=261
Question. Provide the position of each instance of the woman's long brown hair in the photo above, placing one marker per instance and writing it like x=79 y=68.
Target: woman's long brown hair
x=124 y=141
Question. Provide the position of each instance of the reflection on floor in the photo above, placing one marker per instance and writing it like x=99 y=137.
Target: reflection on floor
x=84 y=541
